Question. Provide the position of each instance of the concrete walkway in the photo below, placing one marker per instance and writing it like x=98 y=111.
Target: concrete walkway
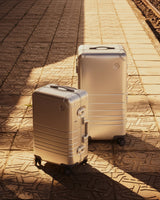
x=39 y=40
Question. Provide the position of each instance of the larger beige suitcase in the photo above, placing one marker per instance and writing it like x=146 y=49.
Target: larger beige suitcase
x=60 y=124
x=102 y=72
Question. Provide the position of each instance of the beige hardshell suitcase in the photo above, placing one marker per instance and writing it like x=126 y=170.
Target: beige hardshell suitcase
x=60 y=125
x=102 y=72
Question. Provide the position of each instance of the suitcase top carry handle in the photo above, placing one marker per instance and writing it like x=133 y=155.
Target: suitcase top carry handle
x=101 y=47
x=67 y=88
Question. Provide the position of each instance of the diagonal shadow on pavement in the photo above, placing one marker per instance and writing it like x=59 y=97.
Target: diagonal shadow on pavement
x=84 y=182
x=137 y=164
x=38 y=47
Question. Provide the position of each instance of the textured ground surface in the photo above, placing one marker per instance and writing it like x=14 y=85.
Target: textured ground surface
x=39 y=40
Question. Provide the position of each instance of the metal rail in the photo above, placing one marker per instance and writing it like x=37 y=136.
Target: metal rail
x=151 y=6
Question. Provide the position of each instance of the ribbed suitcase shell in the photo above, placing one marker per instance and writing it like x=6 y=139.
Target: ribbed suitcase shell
x=60 y=124
x=102 y=72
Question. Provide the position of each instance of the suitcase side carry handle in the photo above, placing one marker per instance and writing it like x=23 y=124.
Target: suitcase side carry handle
x=101 y=47
x=86 y=129
x=85 y=137
x=67 y=88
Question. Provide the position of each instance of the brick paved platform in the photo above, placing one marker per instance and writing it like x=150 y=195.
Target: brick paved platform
x=39 y=40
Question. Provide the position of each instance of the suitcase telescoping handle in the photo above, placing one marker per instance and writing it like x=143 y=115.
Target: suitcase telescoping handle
x=67 y=88
x=101 y=47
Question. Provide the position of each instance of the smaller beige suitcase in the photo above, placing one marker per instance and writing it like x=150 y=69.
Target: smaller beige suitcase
x=60 y=125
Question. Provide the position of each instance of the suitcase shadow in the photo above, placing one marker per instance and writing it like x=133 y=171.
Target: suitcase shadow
x=85 y=182
x=138 y=161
